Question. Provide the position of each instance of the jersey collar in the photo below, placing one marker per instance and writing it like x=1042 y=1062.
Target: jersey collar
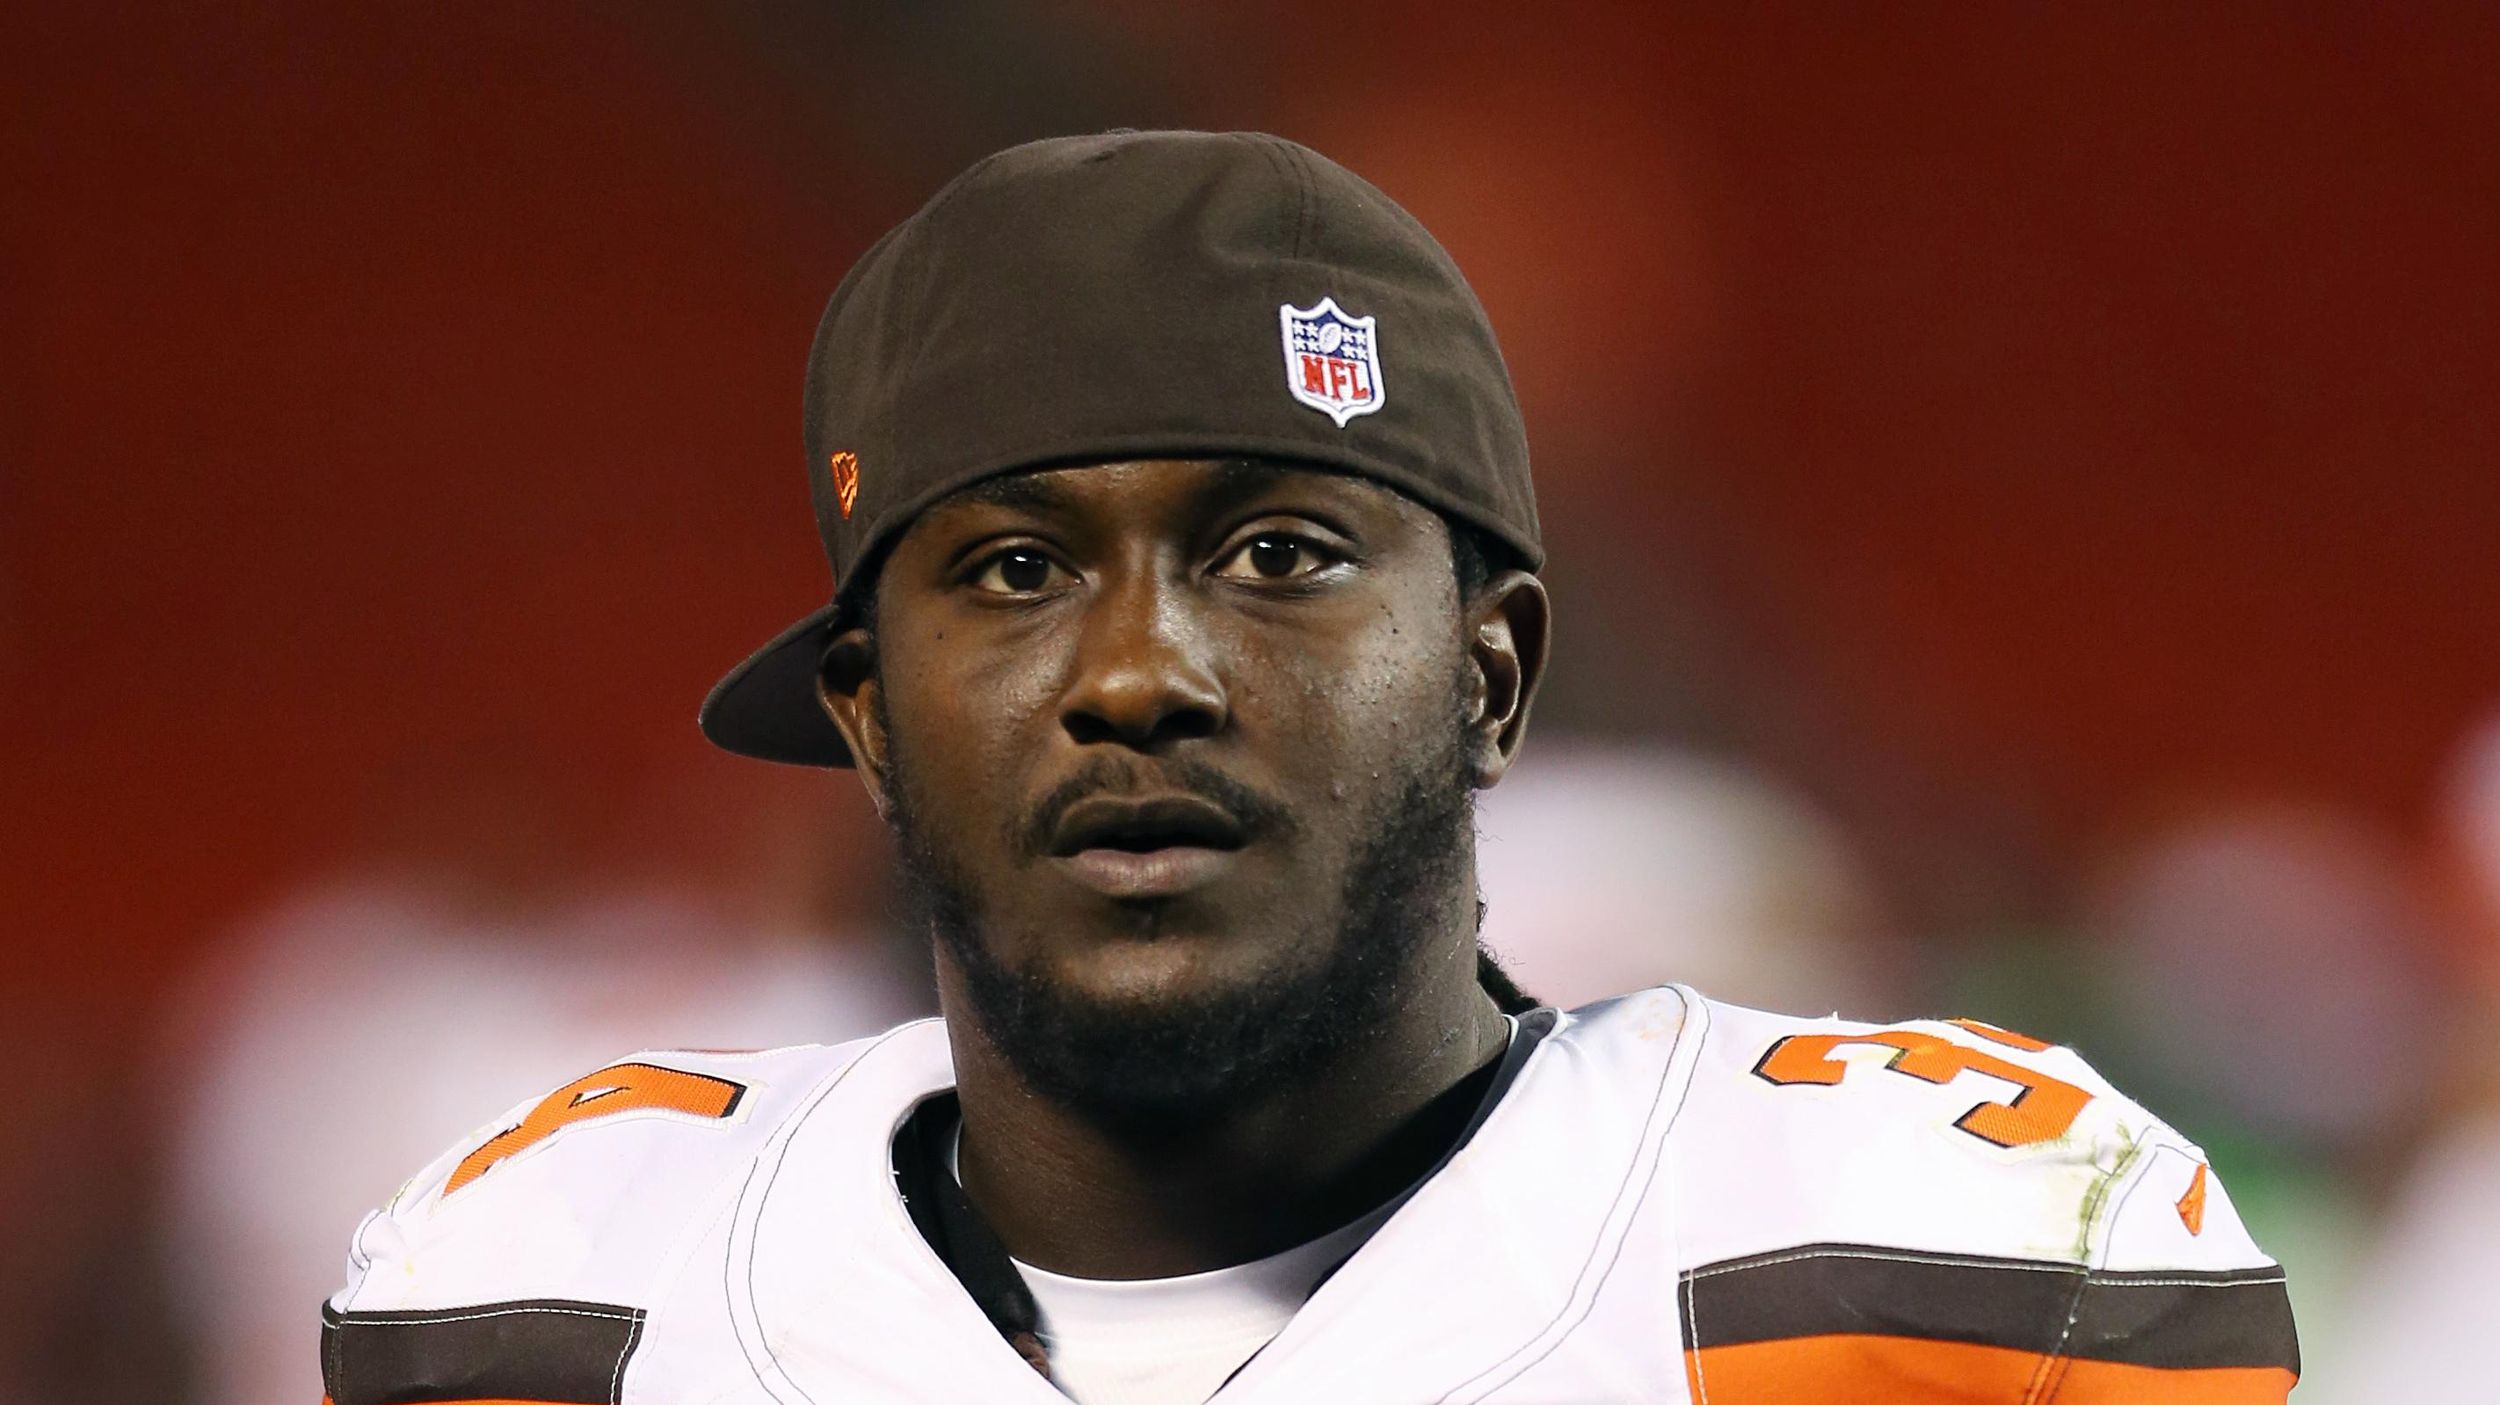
x=838 y=1294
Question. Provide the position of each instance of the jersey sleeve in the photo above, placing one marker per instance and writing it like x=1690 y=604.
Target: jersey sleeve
x=1944 y=1211
x=464 y=1291
x=524 y=1263
x=2180 y=1304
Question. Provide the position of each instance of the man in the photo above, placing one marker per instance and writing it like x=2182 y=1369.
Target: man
x=1182 y=537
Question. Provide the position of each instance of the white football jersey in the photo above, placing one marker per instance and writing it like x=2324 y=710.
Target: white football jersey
x=1675 y=1200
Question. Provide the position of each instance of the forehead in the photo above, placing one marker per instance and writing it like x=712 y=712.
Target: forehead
x=1147 y=489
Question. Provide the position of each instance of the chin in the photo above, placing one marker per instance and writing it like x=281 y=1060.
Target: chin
x=1162 y=1029
x=1167 y=964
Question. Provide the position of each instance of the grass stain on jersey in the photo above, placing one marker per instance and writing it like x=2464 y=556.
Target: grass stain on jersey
x=2097 y=1200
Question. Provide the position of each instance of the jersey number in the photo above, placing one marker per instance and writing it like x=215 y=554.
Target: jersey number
x=619 y=1088
x=2041 y=1111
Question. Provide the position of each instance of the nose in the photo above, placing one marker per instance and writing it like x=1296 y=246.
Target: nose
x=1144 y=677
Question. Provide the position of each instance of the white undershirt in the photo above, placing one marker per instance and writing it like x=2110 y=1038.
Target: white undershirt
x=1174 y=1341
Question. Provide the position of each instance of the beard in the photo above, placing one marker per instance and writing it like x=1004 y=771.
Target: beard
x=1172 y=1063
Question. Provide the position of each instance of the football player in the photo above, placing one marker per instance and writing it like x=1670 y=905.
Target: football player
x=1183 y=550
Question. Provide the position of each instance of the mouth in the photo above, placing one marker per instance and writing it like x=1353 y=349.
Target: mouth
x=1156 y=847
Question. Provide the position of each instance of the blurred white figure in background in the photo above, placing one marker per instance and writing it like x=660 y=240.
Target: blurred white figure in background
x=2273 y=958
x=358 y=1029
x=2423 y=1306
x=1607 y=868
x=2269 y=958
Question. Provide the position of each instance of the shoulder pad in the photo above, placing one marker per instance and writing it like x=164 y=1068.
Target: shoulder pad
x=587 y=1194
x=1946 y=1199
x=1953 y=1135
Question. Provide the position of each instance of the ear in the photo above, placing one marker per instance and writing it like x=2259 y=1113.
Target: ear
x=1508 y=626
x=846 y=687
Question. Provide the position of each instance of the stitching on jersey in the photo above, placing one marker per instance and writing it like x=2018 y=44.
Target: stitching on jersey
x=1947 y=1260
x=728 y=1292
x=2100 y=1282
x=682 y=1251
x=1692 y=1334
x=616 y=1378
x=2049 y=1376
x=2101 y=1278
x=1658 y=1169
x=357 y=1254
x=1638 y=1201
x=764 y=1339
x=1692 y=1329
x=729 y=1260
x=1692 y=1006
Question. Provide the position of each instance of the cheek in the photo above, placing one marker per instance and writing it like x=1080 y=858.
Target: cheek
x=1369 y=702
x=960 y=712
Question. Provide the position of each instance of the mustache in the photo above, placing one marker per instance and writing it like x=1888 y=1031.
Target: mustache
x=1259 y=814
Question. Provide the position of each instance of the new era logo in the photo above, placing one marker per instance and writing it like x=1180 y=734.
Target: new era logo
x=845 y=467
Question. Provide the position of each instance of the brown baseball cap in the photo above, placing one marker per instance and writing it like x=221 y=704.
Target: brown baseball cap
x=1123 y=296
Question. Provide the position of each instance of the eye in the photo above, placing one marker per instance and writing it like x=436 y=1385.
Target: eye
x=1275 y=556
x=1019 y=570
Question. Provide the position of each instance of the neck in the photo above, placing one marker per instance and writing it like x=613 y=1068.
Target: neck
x=1070 y=1194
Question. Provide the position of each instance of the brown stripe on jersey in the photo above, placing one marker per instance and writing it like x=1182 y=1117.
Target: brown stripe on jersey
x=544 y=1351
x=2167 y=1317
x=1846 y=1369
x=1856 y=1289
x=2171 y=1318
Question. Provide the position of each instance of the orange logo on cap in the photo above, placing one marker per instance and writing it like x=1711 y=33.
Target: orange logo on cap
x=846 y=480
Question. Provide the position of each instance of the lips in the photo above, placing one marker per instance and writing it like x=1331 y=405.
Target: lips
x=1144 y=825
x=1160 y=846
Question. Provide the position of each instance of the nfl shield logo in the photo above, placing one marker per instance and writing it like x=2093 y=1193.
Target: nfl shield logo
x=1332 y=361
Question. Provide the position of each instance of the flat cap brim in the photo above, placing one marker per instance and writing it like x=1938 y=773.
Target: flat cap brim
x=768 y=707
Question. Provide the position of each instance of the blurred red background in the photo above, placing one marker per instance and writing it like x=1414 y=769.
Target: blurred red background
x=2007 y=426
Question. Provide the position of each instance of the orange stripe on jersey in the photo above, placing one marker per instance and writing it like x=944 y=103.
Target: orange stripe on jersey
x=1845 y=1369
x=2117 y=1383
x=1851 y=1369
